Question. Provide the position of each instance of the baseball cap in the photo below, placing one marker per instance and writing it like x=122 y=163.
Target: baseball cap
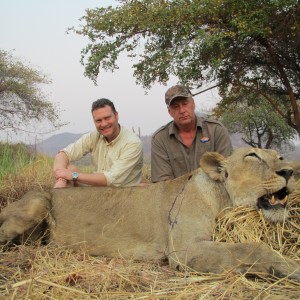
x=176 y=91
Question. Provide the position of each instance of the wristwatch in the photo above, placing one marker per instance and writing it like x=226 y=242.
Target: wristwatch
x=75 y=176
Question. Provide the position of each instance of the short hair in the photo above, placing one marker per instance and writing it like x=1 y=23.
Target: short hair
x=100 y=103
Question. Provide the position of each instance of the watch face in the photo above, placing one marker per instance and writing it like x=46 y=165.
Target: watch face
x=75 y=176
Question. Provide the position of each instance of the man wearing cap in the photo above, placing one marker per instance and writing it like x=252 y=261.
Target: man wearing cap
x=117 y=153
x=176 y=147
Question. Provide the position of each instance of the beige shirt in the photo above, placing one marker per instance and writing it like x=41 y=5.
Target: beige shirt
x=170 y=158
x=121 y=161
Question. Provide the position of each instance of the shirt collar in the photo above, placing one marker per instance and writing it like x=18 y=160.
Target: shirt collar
x=115 y=140
x=174 y=131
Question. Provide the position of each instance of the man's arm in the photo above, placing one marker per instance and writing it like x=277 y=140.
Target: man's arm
x=63 y=169
x=61 y=162
x=95 y=179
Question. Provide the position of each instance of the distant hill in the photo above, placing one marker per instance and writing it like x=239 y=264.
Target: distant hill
x=56 y=142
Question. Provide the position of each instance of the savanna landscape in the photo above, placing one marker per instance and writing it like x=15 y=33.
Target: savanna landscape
x=38 y=271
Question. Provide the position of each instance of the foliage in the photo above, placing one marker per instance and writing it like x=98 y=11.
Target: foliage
x=254 y=117
x=22 y=102
x=250 y=44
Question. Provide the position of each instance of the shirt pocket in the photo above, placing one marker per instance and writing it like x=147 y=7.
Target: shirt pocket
x=178 y=163
x=204 y=146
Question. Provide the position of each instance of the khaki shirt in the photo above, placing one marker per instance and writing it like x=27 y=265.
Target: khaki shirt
x=121 y=161
x=170 y=158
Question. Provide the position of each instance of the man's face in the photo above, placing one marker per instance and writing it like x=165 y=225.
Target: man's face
x=182 y=110
x=106 y=122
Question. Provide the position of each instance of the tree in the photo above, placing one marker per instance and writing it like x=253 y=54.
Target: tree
x=255 y=119
x=22 y=102
x=253 y=44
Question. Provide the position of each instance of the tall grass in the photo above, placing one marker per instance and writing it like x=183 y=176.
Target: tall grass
x=22 y=170
x=13 y=157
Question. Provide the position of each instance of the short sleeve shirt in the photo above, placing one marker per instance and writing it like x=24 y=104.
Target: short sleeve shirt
x=170 y=158
x=121 y=161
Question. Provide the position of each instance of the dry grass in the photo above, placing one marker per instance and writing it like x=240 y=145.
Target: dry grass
x=37 y=175
x=244 y=224
x=54 y=273
x=47 y=272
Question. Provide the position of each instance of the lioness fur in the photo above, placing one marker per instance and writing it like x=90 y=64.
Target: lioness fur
x=172 y=219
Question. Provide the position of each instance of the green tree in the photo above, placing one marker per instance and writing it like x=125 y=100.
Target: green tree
x=254 y=118
x=253 y=44
x=22 y=102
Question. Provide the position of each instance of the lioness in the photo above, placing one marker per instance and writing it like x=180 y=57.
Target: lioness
x=172 y=219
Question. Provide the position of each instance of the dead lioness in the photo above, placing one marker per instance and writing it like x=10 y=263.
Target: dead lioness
x=172 y=219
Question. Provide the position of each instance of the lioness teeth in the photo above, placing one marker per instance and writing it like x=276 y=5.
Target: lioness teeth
x=283 y=201
x=273 y=201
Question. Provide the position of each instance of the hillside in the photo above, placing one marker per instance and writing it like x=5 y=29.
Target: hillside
x=56 y=142
x=53 y=144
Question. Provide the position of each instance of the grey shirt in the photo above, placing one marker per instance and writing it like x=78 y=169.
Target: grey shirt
x=170 y=158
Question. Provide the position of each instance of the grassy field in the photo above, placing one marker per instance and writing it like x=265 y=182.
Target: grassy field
x=51 y=272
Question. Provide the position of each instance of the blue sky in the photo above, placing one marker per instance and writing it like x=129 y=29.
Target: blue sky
x=35 y=31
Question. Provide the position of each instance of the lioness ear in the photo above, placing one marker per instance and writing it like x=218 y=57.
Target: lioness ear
x=211 y=164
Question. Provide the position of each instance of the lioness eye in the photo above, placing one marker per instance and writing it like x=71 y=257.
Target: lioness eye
x=252 y=155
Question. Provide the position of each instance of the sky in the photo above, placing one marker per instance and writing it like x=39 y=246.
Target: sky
x=35 y=32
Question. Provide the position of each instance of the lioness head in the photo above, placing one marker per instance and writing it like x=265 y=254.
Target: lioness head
x=254 y=177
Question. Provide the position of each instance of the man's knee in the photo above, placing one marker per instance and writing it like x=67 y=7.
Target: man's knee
x=72 y=168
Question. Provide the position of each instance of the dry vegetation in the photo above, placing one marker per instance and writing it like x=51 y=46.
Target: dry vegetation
x=48 y=272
